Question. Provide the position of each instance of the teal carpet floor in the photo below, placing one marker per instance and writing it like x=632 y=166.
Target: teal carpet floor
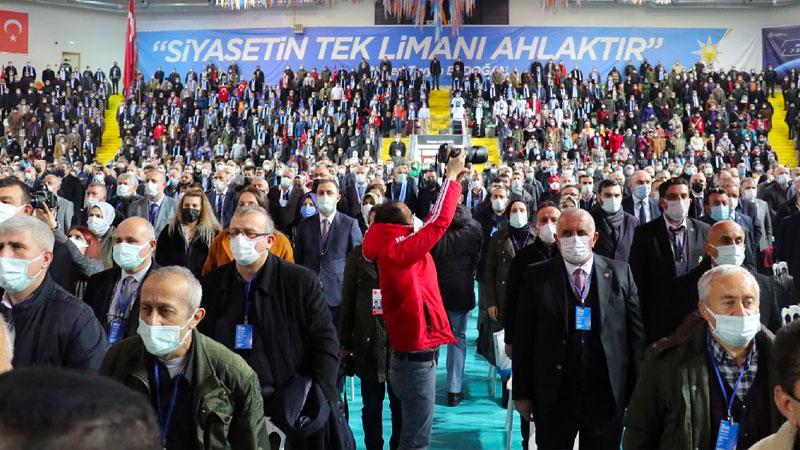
x=477 y=423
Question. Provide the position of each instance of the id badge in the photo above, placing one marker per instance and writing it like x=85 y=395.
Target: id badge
x=114 y=331
x=377 y=302
x=728 y=435
x=583 y=318
x=244 y=337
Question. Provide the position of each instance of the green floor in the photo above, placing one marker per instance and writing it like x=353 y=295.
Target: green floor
x=477 y=423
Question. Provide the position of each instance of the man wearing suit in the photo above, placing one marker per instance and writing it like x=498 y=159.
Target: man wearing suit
x=66 y=210
x=113 y=294
x=288 y=197
x=95 y=193
x=614 y=226
x=578 y=343
x=222 y=198
x=156 y=207
x=697 y=184
x=355 y=191
x=762 y=218
x=777 y=193
x=403 y=188
x=323 y=241
x=639 y=203
x=716 y=204
x=125 y=193
x=725 y=245
x=665 y=248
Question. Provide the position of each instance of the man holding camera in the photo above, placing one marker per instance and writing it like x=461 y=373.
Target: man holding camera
x=415 y=318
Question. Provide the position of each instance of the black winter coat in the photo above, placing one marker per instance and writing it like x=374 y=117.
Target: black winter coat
x=171 y=250
x=456 y=256
x=53 y=328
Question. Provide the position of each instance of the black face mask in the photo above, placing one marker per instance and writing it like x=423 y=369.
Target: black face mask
x=697 y=187
x=190 y=215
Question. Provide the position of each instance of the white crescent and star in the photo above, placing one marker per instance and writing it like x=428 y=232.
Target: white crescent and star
x=12 y=22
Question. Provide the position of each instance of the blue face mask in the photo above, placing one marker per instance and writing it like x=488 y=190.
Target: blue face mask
x=641 y=191
x=307 y=211
x=720 y=212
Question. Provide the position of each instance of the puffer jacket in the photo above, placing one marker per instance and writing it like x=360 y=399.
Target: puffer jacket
x=456 y=256
x=412 y=304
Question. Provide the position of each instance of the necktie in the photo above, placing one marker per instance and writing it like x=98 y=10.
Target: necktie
x=325 y=229
x=677 y=242
x=154 y=208
x=579 y=278
x=129 y=288
x=642 y=212
x=219 y=205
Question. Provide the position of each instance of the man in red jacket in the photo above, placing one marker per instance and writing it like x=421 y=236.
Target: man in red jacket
x=410 y=302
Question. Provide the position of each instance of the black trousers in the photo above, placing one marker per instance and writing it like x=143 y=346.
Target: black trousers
x=593 y=415
x=372 y=395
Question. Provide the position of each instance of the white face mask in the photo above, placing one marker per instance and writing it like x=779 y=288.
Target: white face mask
x=14 y=276
x=677 y=210
x=79 y=243
x=733 y=202
x=736 y=331
x=219 y=185
x=547 y=233
x=750 y=194
x=90 y=202
x=729 y=254
x=326 y=204
x=499 y=204
x=151 y=189
x=8 y=211
x=244 y=250
x=575 y=249
x=161 y=340
x=123 y=190
x=518 y=220
x=587 y=189
x=365 y=209
x=97 y=226
x=611 y=205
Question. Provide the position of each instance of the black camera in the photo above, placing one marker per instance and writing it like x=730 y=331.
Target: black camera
x=42 y=197
x=474 y=155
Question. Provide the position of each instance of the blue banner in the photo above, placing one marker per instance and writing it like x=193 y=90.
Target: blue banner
x=781 y=48
x=486 y=47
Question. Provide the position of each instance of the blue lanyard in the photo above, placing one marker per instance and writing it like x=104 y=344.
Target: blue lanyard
x=122 y=306
x=165 y=421
x=247 y=300
x=516 y=245
x=742 y=371
x=581 y=292
x=676 y=246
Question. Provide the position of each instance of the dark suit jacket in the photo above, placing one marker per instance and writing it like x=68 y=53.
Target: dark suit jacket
x=141 y=208
x=606 y=245
x=100 y=290
x=627 y=206
x=228 y=207
x=411 y=194
x=542 y=330
x=653 y=263
x=352 y=200
x=685 y=298
x=751 y=247
x=787 y=247
x=285 y=215
x=343 y=235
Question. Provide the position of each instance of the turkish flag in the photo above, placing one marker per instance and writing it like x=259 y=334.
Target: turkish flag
x=13 y=32
x=129 y=68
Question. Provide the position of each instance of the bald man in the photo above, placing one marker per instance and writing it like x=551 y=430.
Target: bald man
x=579 y=341
x=113 y=294
x=725 y=245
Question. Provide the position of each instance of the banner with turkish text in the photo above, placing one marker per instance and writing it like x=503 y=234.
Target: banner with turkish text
x=782 y=48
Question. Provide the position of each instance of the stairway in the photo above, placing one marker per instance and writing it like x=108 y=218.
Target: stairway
x=111 y=140
x=779 y=135
x=439 y=104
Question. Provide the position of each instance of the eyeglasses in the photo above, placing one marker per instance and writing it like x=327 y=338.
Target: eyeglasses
x=247 y=234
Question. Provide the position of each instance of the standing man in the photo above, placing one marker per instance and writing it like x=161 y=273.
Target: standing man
x=639 y=203
x=711 y=384
x=614 y=226
x=115 y=73
x=665 y=248
x=323 y=241
x=66 y=209
x=578 y=344
x=156 y=207
x=436 y=71
x=415 y=318
x=222 y=197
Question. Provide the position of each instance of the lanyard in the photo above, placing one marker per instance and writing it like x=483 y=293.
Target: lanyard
x=742 y=371
x=677 y=246
x=581 y=292
x=516 y=245
x=122 y=306
x=247 y=300
x=165 y=421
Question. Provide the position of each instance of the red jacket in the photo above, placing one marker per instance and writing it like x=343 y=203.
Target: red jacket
x=412 y=304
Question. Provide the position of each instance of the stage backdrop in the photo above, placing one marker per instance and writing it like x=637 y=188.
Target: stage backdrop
x=477 y=46
x=782 y=48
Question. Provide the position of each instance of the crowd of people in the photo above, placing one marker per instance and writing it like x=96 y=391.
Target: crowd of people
x=247 y=248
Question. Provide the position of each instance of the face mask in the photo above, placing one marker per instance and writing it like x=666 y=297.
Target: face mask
x=736 y=331
x=641 y=191
x=708 y=173
x=733 y=203
x=499 y=205
x=555 y=186
x=8 y=211
x=151 y=189
x=587 y=189
x=127 y=255
x=90 y=203
x=123 y=190
x=326 y=204
x=307 y=211
x=516 y=186
x=750 y=194
x=190 y=215
x=30 y=176
x=547 y=233
x=14 y=276
x=79 y=243
x=782 y=179
x=219 y=185
x=697 y=187
x=720 y=212
x=575 y=249
x=286 y=182
x=244 y=250
x=100 y=179
x=161 y=340
x=97 y=226
x=677 y=210
x=365 y=209
x=611 y=205
x=730 y=254
x=205 y=172
x=361 y=178
x=690 y=171
x=476 y=185
x=518 y=220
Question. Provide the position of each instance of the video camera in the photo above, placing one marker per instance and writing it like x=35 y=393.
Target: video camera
x=474 y=155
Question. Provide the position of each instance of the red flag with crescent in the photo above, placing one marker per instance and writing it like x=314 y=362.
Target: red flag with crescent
x=129 y=68
x=13 y=32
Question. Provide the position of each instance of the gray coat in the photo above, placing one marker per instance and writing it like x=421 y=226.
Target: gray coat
x=141 y=208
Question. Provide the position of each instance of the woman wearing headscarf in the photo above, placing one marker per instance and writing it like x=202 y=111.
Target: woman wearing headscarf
x=100 y=219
